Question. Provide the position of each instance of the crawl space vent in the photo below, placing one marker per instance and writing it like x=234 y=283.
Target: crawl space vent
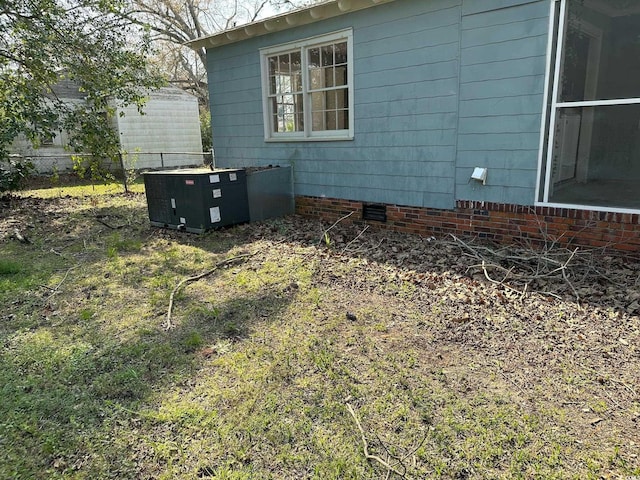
x=377 y=213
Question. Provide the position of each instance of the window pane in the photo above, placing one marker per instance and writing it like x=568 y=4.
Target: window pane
x=287 y=104
x=314 y=57
x=273 y=85
x=331 y=100
x=297 y=101
x=340 y=53
x=343 y=119
x=596 y=156
x=273 y=65
x=284 y=64
x=327 y=55
x=317 y=101
x=289 y=123
x=331 y=120
x=342 y=98
x=296 y=72
x=316 y=78
x=328 y=77
x=296 y=82
x=287 y=113
x=341 y=76
x=318 y=121
x=601 y=51
x=296 y=63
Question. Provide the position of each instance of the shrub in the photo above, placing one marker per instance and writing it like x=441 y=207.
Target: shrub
x=13 y=172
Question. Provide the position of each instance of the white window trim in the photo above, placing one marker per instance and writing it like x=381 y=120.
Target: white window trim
x=555 y=106
x=303 y=46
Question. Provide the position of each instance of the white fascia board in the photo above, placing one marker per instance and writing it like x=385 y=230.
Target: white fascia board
x=295 y=18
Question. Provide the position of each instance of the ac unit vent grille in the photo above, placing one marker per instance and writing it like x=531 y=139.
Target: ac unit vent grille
x=377 y=213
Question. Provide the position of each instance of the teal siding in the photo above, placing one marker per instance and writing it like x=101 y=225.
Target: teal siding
x=406 y=99
x=502 y=74
x=440 y=86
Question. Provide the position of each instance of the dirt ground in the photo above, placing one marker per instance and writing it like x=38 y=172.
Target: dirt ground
x=570 y=340
x=558 y=329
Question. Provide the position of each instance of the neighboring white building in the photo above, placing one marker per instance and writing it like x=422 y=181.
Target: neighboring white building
x=166 y=134
x=169 y=126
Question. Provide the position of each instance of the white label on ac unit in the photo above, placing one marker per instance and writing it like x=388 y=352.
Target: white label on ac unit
x=214 y=178
x=214 y=212
x=173 y=203
x=183 y=220
x=233 y=177
x=217 y=193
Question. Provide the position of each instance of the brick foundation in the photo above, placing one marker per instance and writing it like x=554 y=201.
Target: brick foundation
x=503 y=223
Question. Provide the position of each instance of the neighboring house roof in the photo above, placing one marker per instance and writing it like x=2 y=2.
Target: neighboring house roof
x=67 y=89
x=295 y=18
x=171 y=93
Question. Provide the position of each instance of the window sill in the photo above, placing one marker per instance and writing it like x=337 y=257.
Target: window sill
x=307 y=139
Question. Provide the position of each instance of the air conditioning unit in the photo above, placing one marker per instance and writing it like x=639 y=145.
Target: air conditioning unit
x=197 y=200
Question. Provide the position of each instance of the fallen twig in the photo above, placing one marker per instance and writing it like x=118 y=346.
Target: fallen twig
x=566 y=278
x=181 y=283
x=357 y=237
x=112 y=227
x=371 y=249
x=323 y=238
x=54 y=290
x=532 y=267
x=500 y=282
x=365 y=445
x=21 y=238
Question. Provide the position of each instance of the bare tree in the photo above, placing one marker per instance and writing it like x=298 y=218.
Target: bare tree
x=175 y=22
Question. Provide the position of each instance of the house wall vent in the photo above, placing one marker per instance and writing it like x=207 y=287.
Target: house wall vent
x=376 y=213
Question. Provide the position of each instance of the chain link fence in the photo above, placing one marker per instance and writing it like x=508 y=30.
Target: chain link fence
x=47 y=164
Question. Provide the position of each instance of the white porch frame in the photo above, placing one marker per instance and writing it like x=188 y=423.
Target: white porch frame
x=561 y=21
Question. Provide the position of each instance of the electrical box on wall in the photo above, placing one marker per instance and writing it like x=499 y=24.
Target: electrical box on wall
x=197 y=200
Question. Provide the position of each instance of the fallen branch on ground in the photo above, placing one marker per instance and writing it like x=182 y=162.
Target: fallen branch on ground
x=183 y=282
x=55 y=289
x=533 y=267
x=99 y=219
x=365 y=445
x=21 y=238
x=357 y=237
x=325 y=234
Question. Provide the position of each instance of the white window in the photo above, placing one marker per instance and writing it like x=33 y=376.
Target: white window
x=591 y=149
x=307 y=89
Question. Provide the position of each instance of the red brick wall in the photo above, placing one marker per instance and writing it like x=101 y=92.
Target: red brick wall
x=504 y=223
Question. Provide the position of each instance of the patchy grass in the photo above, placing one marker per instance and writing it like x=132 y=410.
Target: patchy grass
x=72 y=186
x=9 y=267
x=449 y=377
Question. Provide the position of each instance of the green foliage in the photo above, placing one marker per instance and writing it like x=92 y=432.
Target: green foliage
x=9 y=267
x=85 y=43
x=13 y=172
x=193 y=341
x=129 y=163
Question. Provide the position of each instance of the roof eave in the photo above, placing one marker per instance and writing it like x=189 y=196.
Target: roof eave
x=295 y=18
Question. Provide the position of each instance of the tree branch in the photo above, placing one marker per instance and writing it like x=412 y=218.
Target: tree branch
x=228 y=261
